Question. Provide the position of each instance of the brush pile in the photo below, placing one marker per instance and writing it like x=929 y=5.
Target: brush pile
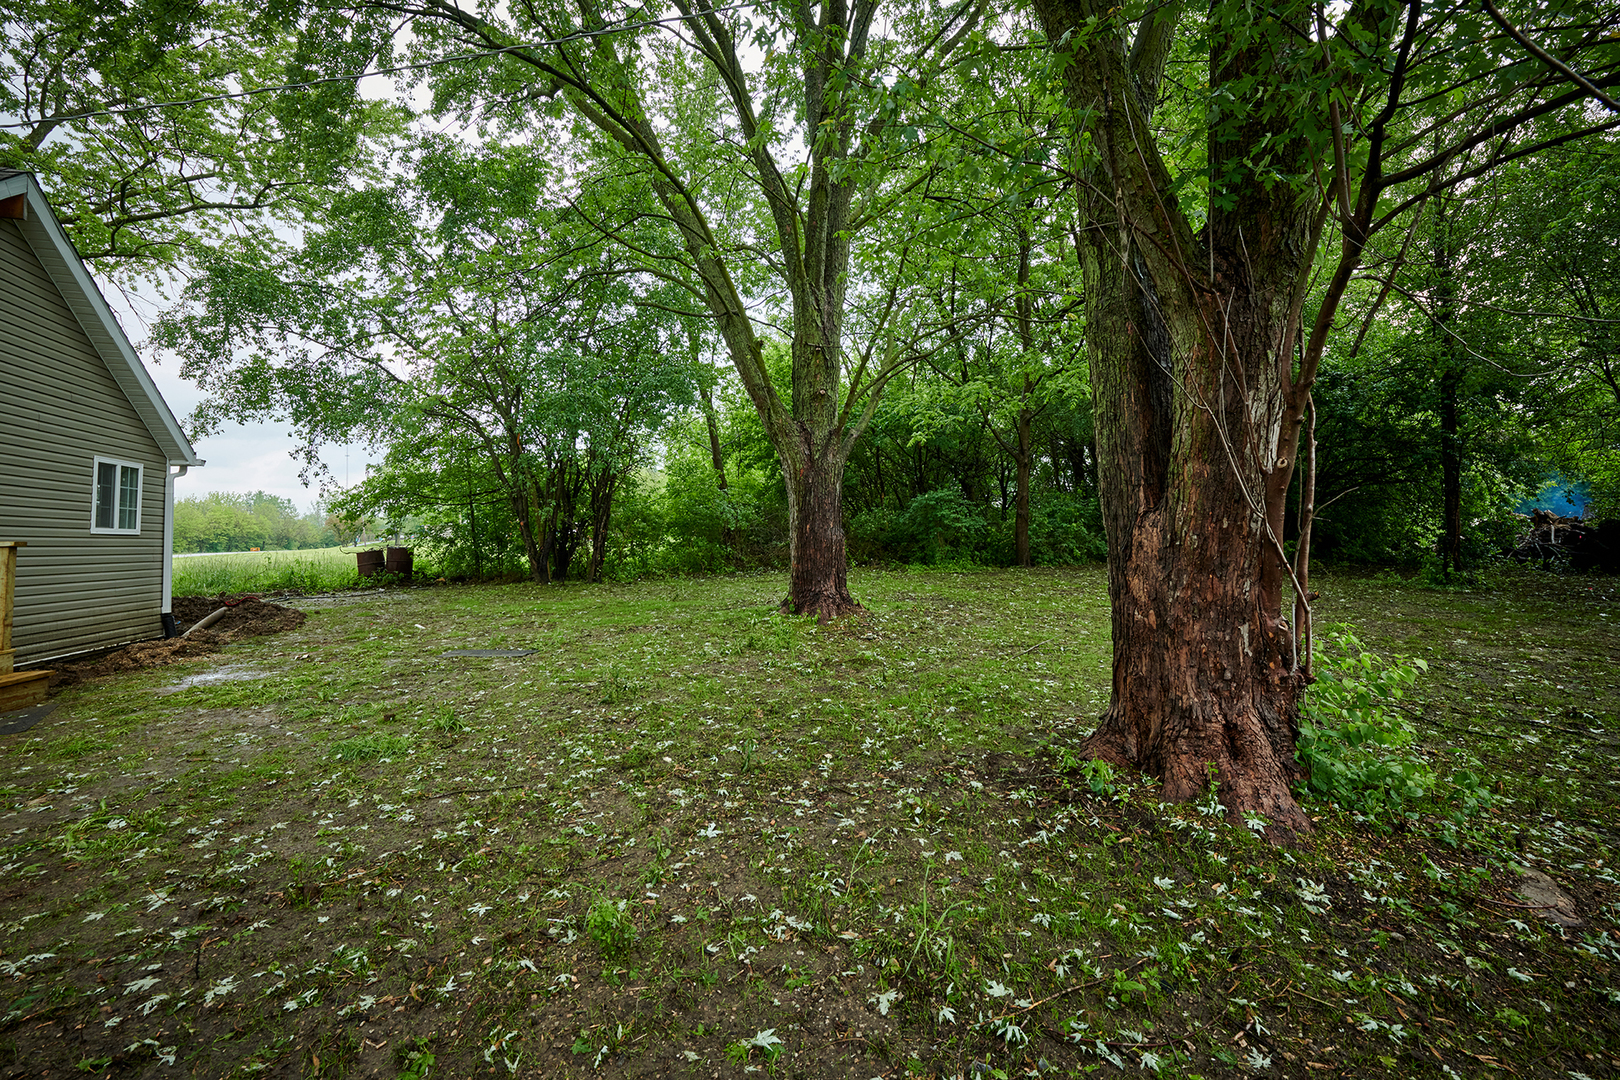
x=1569 y=541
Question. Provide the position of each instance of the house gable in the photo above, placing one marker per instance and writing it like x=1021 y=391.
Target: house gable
x=37 y=224
x=88 y=445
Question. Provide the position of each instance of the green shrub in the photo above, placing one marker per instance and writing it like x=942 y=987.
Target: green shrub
x=939 y=526
x=1066 y=530
x=1353 y=740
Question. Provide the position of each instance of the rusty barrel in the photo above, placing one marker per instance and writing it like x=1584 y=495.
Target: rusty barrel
x=399 y=561
x=369 y=561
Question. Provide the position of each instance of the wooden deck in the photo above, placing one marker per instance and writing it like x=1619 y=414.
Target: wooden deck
x=18 y=689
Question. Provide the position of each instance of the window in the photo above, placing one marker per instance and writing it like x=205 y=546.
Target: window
x=117 y=501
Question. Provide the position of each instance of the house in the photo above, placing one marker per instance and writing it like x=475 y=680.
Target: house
x=88 y=449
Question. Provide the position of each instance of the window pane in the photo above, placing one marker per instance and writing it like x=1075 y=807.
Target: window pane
x=106 y=480
x=129 y=498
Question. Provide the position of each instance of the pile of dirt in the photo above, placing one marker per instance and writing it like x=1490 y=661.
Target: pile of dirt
x=142 y=654
x=244 y=616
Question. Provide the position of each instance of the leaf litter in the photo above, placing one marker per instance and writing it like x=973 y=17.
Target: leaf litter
x=691 y=837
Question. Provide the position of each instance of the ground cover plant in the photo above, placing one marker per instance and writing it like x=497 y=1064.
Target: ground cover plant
x=687 y=836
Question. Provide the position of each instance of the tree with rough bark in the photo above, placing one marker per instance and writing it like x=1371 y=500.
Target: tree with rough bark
x=771 y=138
x=1221 y=156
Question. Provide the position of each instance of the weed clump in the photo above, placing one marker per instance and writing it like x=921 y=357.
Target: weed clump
x=371 y=747
x=446 y=722
x=618 y=686
x=608 y=924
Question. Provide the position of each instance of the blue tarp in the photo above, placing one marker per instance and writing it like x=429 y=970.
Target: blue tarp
x=1564 y=497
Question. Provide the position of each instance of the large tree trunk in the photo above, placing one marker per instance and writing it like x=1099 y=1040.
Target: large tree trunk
x=1205 y=689
x=603 y=489
x=539 y=561
x=1190 y=340
x=814 y=449
x=818 y=580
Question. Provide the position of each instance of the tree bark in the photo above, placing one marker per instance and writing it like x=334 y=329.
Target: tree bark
x=713 y=425
x=539 y=561
x=604 y=485
x=818 y=580
x=1190 y=340
x=1205 y=689
x=1302 y=549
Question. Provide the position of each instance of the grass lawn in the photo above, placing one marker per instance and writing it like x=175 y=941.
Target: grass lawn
x=306 y=570
x=689 y=837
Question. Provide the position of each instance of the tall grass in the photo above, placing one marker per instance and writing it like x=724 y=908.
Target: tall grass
x=310 y=570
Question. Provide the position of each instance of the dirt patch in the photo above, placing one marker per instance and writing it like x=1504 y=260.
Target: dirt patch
x=244 y=615
x=142 y=654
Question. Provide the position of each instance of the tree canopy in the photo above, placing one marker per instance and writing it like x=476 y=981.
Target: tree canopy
x=160 y=128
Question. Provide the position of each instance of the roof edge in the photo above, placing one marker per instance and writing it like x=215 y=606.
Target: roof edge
x=68 y=272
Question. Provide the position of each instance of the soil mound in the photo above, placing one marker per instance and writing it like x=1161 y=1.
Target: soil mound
x=142 y=654
x=244 y=616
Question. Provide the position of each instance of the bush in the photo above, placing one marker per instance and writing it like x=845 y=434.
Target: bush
x=1066 y=529
x=1353 y=741
x=680 y=522
x=936 y=527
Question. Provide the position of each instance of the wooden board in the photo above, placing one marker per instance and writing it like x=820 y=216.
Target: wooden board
x=23 y=689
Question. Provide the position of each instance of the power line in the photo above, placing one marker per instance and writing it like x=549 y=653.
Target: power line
x=578 y=35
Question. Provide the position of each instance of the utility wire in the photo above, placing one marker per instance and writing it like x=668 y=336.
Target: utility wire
x=578 y=35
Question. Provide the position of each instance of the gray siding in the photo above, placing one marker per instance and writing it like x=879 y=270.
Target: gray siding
x=59 y=409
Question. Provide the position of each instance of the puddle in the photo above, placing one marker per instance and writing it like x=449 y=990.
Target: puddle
x=228 y=673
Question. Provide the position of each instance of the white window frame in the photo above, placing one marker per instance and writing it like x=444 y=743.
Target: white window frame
x=95 y=484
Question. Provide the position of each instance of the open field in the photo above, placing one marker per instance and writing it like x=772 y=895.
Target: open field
x=689 y=837
x=306 y=570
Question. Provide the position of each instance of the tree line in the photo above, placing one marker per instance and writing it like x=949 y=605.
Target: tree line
x=1237 y=277
x=226 y=521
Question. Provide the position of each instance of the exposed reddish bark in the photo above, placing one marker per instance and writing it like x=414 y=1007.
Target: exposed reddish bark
x=1204 y=690
x=1197 y=413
